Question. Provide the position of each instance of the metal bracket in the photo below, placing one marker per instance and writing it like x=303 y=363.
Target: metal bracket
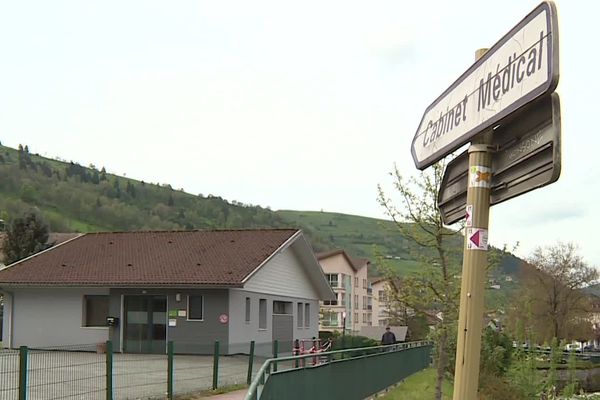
x=483 y=148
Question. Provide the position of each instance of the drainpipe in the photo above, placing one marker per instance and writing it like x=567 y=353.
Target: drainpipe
x=9 y=334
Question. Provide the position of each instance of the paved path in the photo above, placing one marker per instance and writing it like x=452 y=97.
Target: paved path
x=237 y=395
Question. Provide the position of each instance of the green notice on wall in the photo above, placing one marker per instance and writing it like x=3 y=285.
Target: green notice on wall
x=172 y=313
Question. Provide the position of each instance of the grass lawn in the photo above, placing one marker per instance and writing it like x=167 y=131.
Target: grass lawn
x=420 y=386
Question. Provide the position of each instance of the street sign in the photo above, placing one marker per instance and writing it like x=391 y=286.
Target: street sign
x=522 y=66
x=527 y=157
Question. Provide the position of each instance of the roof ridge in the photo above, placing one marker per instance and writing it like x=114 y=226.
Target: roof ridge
x=194 y=230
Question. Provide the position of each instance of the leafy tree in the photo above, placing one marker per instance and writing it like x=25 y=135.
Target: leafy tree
x=552 y=290
x=434 y=290
x=26 y=235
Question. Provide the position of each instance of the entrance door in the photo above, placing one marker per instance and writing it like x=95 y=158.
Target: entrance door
x=145 y=324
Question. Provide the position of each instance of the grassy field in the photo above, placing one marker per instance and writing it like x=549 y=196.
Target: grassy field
x=420 y=386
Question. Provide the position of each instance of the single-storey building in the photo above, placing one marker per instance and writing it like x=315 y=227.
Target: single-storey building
x=143 y=289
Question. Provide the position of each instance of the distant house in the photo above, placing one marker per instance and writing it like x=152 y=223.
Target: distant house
x=347 y=276
x=381 y=303
x=142 y=289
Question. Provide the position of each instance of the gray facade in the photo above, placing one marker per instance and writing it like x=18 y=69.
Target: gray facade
x=283 y=291
x=49 y=317
x=189 y=336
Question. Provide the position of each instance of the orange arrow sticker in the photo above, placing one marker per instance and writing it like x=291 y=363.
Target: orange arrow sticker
x=480 y=176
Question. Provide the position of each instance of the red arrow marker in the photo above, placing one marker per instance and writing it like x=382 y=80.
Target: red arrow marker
x=475 y=239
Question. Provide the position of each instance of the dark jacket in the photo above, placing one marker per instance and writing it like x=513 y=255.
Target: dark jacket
x=388 y=338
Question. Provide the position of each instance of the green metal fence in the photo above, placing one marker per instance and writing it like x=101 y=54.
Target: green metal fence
x=342 y=374
x=97 y=372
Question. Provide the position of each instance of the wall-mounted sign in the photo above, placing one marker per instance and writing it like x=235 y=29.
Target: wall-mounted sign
x=223 y=318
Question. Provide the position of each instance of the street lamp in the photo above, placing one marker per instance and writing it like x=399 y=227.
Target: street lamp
x=343 y=323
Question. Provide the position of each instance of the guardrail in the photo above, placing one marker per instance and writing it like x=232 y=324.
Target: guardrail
x=348 y=374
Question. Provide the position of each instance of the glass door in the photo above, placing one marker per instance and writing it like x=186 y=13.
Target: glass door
x=145 y=324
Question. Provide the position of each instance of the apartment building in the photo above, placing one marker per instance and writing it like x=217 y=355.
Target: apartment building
x=353 y=306
x=381 y=304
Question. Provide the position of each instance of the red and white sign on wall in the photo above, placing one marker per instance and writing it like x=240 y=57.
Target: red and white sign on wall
x=223 y=318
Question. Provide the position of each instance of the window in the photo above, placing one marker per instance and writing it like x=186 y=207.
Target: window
x=331 y=319
x=248 y=309
x=333 y=280
x=343 y=296
x=195 y=308
x=356 y=302
x=282 y=307
x=382 y=297
x=364 y=318
x=356 y=282
x=355 y=317
x=306 y=315
x=364 y=302
x=262 y=314
x=300 y=322
x=330 y=302
x=95 y=310
x=364 y=283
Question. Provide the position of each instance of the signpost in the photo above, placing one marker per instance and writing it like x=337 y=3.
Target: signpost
x=526 y=156
x=522 y=66
x=515 y=148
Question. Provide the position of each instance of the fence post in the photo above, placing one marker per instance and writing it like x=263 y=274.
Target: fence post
x=23 y=373
x=170 y=370
x=275 y=352
x=109 y=370
x=216 y=366
x=250 y=363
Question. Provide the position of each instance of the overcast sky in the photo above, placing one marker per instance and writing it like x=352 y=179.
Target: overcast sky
x=293 y=105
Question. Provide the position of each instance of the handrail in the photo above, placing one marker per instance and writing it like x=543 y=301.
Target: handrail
x=265 y=370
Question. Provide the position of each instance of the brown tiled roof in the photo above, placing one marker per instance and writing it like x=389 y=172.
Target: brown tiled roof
x=150 y=258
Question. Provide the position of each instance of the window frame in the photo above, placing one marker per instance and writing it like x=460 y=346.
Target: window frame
x=248 y=310
x=189 y=314
x=307 y=315
x=300 y=315
x=262 y=319
x=84 y=319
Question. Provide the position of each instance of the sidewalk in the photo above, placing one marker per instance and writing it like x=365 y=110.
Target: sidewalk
x=237 y=395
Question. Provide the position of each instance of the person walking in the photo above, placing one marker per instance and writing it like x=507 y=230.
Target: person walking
x=388 y=337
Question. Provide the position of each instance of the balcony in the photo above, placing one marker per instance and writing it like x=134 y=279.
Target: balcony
x=369 y=291
x=369 y=307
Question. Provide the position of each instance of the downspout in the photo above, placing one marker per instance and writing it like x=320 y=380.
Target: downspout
x=9 y=334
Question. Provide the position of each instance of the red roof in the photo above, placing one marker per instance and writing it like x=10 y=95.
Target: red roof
x=222 y=258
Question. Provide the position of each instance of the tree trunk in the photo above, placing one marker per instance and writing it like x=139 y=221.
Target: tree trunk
x=441 y=364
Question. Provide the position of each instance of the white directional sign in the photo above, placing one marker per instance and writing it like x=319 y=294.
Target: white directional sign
x=522 y=66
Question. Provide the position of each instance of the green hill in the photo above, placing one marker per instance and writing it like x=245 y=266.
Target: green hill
x=74 y=198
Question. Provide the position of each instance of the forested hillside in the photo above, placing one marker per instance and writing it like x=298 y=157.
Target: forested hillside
x=76 y=198
x=72 y=197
